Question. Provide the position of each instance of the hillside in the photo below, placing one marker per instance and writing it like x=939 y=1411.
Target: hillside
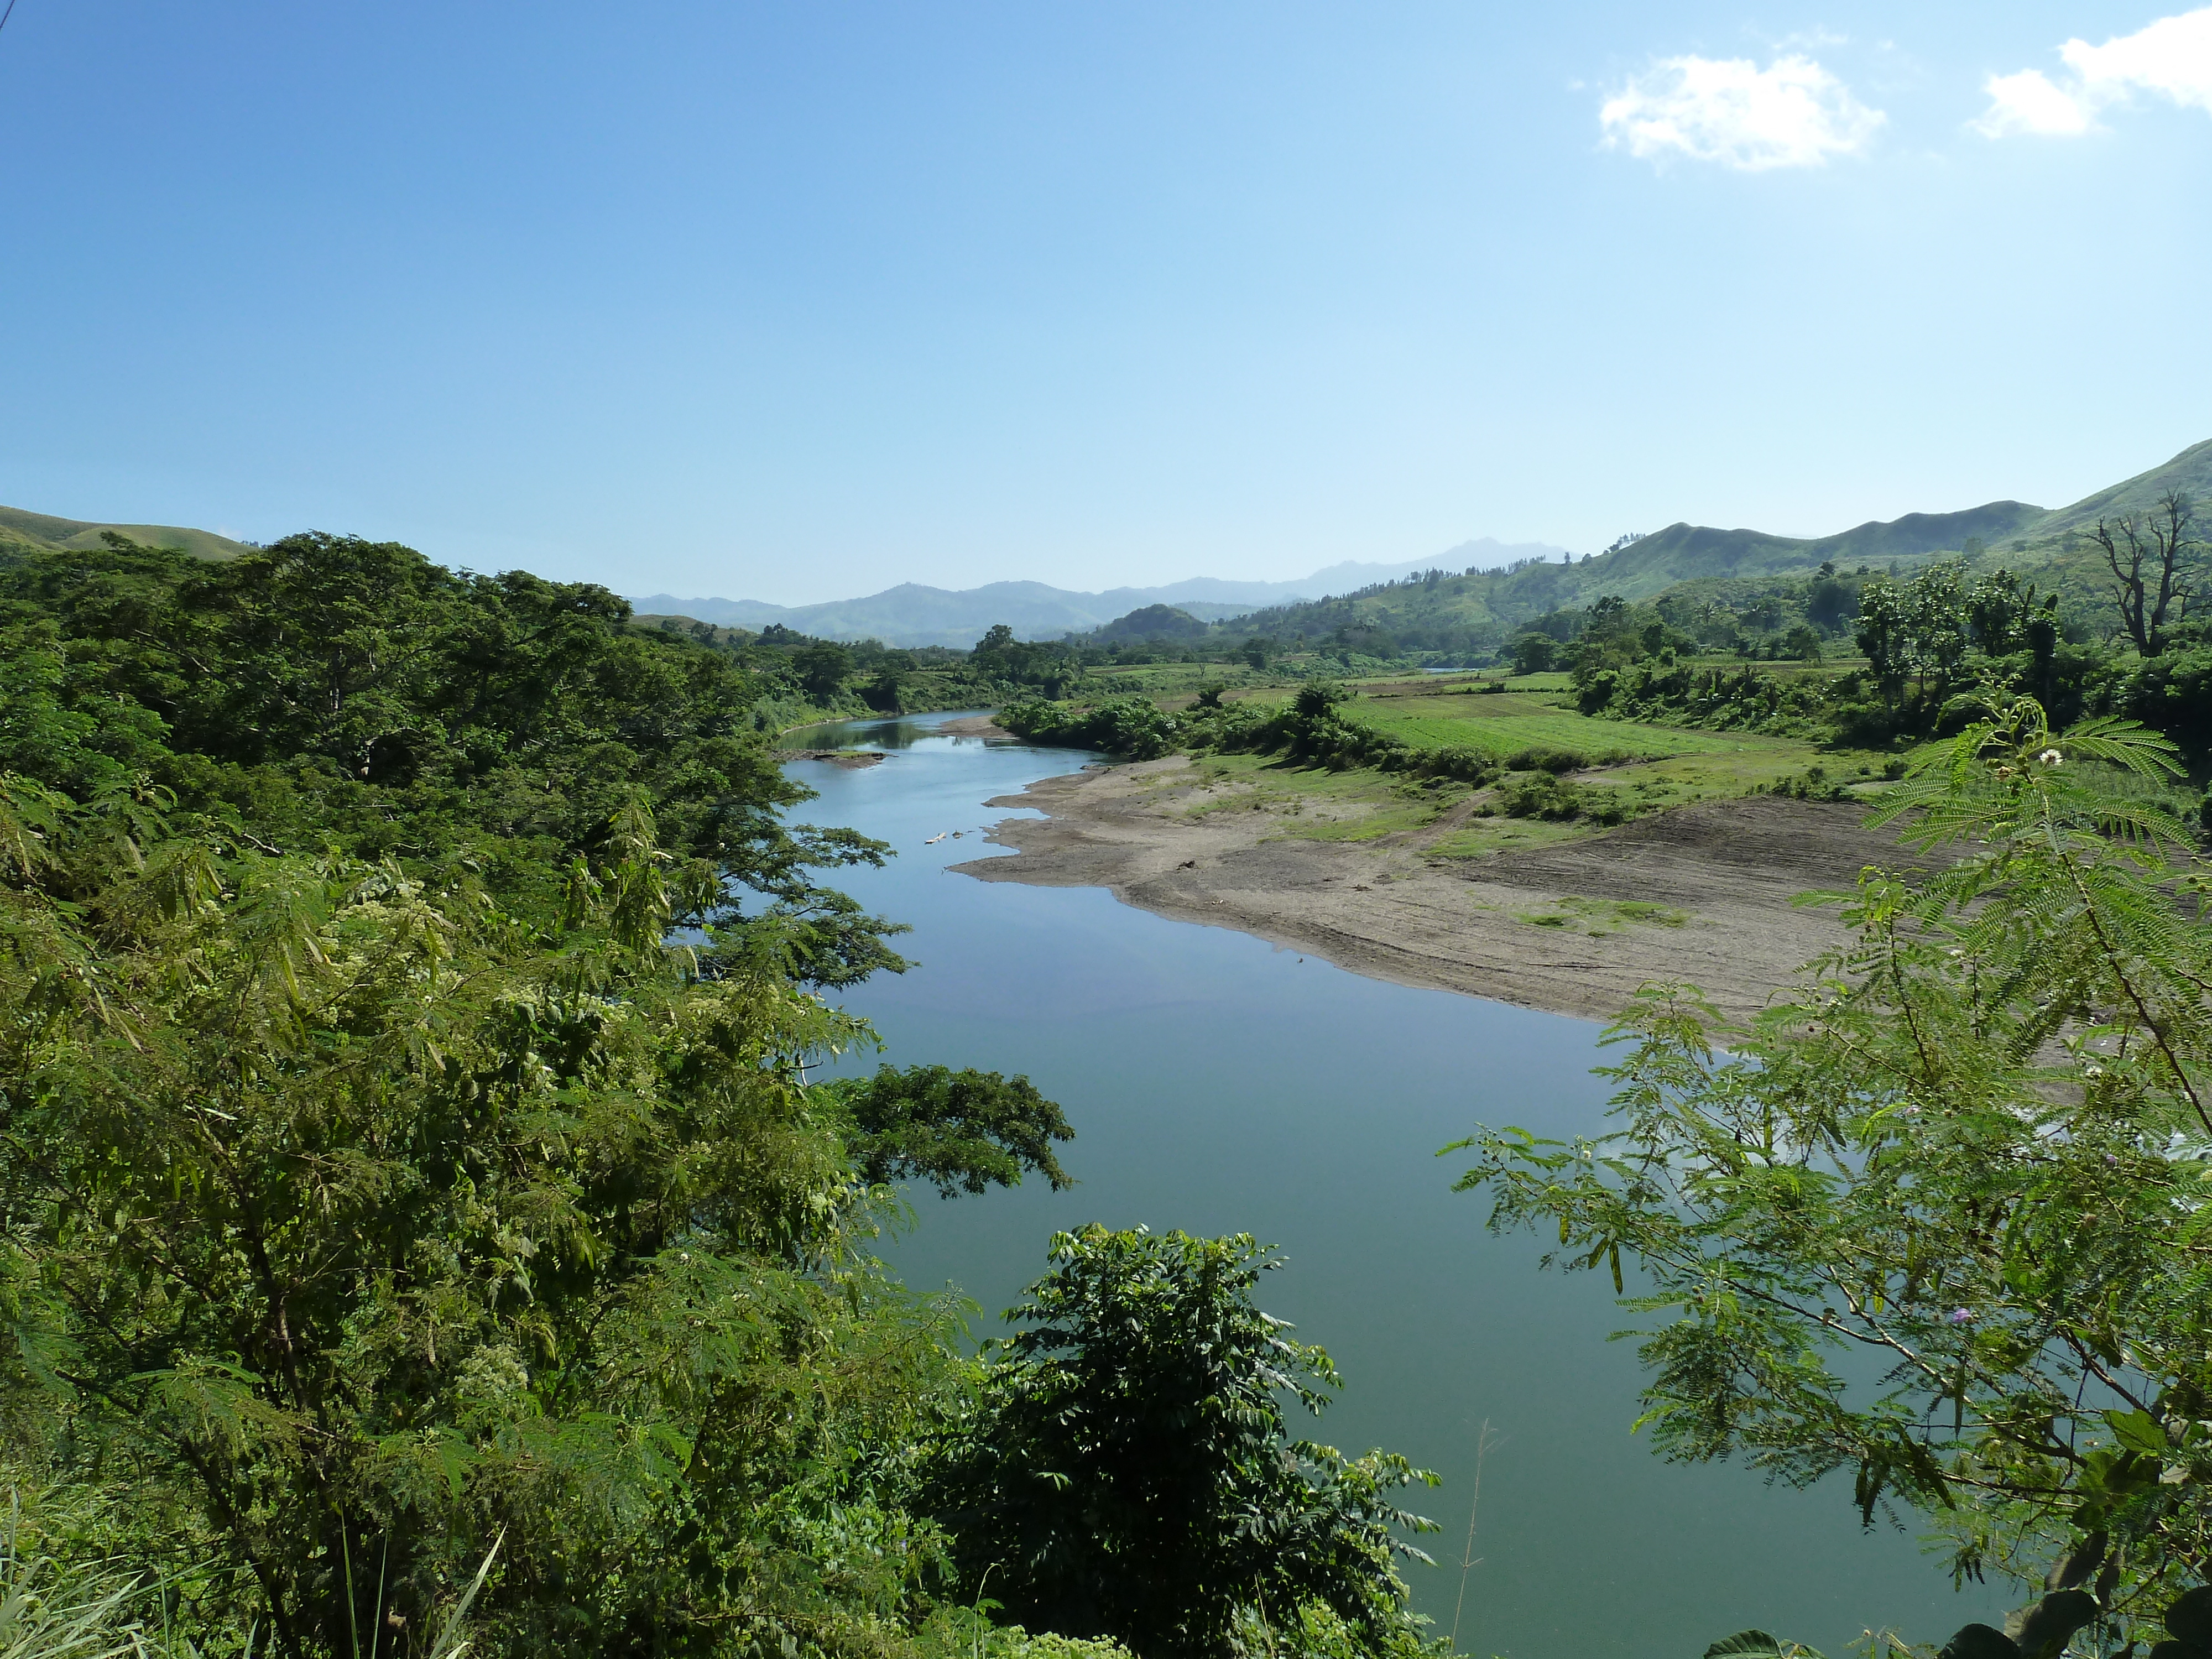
x=47 y=533
x=1684 y=552
x=2190 y=472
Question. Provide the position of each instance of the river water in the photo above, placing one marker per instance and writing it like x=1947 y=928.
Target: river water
x=1219 y=1084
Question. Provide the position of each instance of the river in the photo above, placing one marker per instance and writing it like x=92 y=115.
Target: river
x=1219 y=1084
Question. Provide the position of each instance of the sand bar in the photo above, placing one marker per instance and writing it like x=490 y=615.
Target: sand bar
x=1702 y=893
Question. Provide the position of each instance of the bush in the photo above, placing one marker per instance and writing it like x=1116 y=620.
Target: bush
x=1555 y=761
x=1133 y=728
x=1539 y=794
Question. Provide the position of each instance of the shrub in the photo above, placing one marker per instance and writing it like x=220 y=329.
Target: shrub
x=1541 y=759
x=1133 y=728
x=1538 y=795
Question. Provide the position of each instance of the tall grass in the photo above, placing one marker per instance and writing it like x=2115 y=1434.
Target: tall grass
x=58 y=1605
x=52 y=1608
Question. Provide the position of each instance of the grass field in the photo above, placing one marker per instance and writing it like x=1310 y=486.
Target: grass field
x=1501 y=726
x=1533 y=714
x=1172 y=683
x=1645 y=767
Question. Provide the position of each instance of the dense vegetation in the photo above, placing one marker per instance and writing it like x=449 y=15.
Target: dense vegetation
x=417 y=1223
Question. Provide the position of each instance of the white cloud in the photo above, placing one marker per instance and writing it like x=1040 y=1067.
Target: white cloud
x=1793 y=113
x=2030 y=102
x=2171 y=59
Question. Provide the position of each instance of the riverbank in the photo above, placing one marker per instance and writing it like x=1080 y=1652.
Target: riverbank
x=1703 y=893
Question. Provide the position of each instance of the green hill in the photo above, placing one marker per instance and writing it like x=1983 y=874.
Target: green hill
x=1684 y=552
x=2190 y=472
x=48 y=534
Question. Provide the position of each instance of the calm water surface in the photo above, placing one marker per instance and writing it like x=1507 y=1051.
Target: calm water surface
x=1219 y=1084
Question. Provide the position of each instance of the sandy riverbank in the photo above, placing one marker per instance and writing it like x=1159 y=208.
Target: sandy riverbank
x=1701 y=893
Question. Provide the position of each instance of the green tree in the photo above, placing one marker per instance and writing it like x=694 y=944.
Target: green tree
x=328 y=691
x=372 y=1224
x=885 y=692
x=1535 y=654
x=1128 y=1472
x=957 y=1130
x=1829 y=600
x=1803 y=642
x=822 y=668
x=1938 y=1217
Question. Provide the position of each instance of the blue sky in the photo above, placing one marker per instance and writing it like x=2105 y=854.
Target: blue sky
x=796 y=301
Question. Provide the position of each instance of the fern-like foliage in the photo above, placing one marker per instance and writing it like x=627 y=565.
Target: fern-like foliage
x=1938 y=1217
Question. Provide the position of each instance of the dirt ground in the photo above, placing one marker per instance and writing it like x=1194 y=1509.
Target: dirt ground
x=1702 y=893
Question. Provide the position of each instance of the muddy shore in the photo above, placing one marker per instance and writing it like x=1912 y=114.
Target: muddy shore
x=1703 y=893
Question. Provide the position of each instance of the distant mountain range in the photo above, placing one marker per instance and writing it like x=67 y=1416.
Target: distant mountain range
x=911 y=614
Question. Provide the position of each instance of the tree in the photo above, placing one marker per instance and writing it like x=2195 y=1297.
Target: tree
x=1535 y=654
x=822 y=668
x=1317 y=698
x=885 y=692
x=2002 y=610
x=965 y=1129
x=1128 y=1471
x=2144 y=556
x=1971 y=1149
x=1831 y=601
x=1916 y=629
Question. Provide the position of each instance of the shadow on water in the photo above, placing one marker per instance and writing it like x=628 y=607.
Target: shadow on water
x=1219 y=1084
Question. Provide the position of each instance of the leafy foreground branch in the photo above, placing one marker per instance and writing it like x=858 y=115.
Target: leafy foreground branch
x=1939 y=1217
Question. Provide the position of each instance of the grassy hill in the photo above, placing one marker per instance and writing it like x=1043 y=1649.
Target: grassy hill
x=2190 y=472
x=46 y=533
x=1684 y=552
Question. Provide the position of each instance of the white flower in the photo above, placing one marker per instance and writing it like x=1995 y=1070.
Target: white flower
x=2050 y=758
